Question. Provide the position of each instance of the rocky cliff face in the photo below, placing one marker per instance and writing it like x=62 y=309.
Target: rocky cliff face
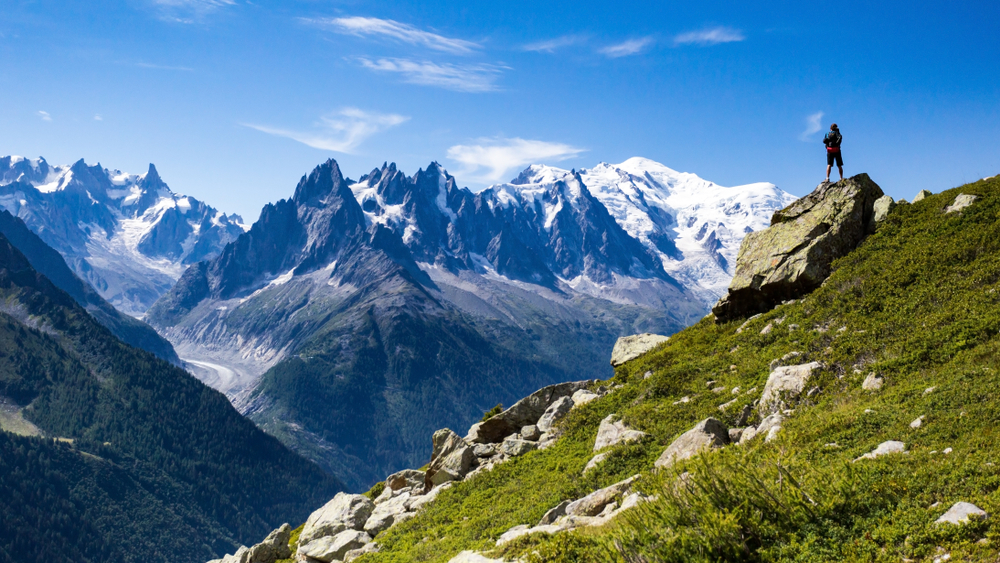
x=127 y=235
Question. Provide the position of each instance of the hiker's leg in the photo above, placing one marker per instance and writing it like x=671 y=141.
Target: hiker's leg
x=841 y=169
x=828 y=168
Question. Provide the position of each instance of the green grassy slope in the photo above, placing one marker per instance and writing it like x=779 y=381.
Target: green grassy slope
x=161 y=467
x=918 y=303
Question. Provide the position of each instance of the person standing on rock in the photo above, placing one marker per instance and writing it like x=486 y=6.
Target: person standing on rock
x=832 y=141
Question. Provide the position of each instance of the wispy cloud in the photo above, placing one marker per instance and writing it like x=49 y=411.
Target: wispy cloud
x=397 y=31
x=630 y=47
x=710 y=36
x=164 y=67
x=45 y=116
x=340 y=132
x=491 y=159
x=552 y=45
x=813 y=124
x=97 y=117
x=188 y=11
x=461 y=78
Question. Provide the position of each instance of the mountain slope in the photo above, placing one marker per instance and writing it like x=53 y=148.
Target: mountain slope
x=154 y=466
x=916 y=304
x=128 y=235
x=355 y=317
x=46 y=261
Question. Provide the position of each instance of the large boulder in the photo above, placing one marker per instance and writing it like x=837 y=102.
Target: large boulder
x=707 y=434
x=451 y=458
x=631 y=347
x=344 y=512
x=386 y=513
x=525 y=412
x=407 y=478
x=784 y=385
x=612 y=432
x=792 y=257
x=327 y=549
x=274 y=547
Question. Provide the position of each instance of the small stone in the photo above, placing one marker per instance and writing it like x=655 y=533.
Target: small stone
x=583 y=396
x=594 y=461
x=748 y=434
x=883 y=206
x=732 y=367
x=772 y=433
x=767 y=329
x=710 y=383
x=921 y=195
x=872 y=382
x=735 y=390
x=707 y=434
x=612 y=432
x=918 y=422
x=831 y=445
x=647 y=375
x=960 y=513
x=514 y=448
x=484 y=450
x=929 y=390
x=785 y=384
x=946 y=451
x=735 y=434
x=531 y=433
x=472 y=557
x=682 y=400
x=725 y=406
x=885 y=448
x=333 y=548
x=718 y=389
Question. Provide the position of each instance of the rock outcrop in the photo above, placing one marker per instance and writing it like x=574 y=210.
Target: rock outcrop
x=273 y=548
x=631 y=347
x=451 y=459
x=525 y=412
x=793 y=256
x=344 y=512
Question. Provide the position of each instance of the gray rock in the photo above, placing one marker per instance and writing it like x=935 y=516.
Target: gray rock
x=553 y=513
x=882 y=207
x=885 y=448
x=274 y=547
x=531 y=432
x=960 y=513
x=735 y=434
x=872 y=382
x=960 y=203
x=584 y=396
x=918 y=422
x=631 y=347
x=595 y=461
x=524 y=412
x=344 y=512
x=772 y=433
x=406 y=478
x=420 y=501
x=707 y=434
x=385 y=514
x=451 y=458
x=793 y=256
x=524 y=530
x=355 y=553
x=784 y=385
x=749 y=433
x=769 y=422
x=484 y=450
x=594 y=503
x=327 y=549
x=556 y=411
x=921 y=195
x=784 y=360
x=612 y=432
x=514 y=448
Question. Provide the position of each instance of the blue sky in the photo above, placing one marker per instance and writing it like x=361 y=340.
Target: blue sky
x=234 y=101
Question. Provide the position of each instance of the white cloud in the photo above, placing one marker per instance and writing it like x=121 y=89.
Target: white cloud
x=551 y=45
x=710 y=36
x=461 y=78
x=339 y=132
x=188 y=11
x=495 y=157
x=97 y=117
x=630 y=47
x=812 y=125
x=45 y=116
x=396 y=30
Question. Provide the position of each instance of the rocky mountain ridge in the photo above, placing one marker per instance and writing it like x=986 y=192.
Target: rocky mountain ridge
x=128 y=235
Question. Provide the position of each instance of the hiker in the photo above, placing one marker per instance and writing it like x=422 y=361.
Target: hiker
x=832 y=141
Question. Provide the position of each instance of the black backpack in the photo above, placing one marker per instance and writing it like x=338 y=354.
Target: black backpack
x=833 y=139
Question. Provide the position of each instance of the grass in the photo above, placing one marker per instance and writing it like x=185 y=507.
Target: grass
x=918 y=304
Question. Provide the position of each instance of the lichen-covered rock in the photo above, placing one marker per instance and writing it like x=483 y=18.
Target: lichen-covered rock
x=344 y=512
x=274 y=547
x=514 y=448
x=784 y=385
x=792 y=257
x=612 y=432
x=707 y=434
x=451 y=458
x=525 y=412
x=881 y=209
x=530 y=432
x=631 y=347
